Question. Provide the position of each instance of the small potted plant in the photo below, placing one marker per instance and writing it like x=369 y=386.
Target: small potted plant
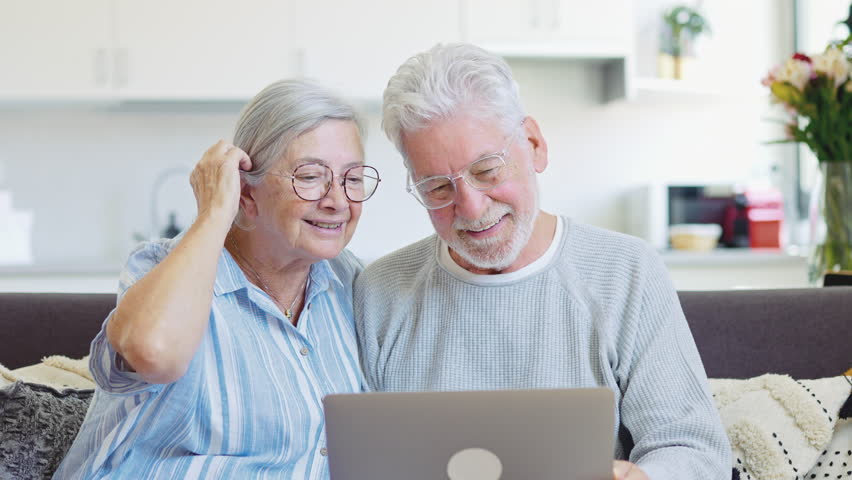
x=682 y=25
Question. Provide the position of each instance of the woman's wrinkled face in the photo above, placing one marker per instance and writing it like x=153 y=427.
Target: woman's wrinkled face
x=318 y=229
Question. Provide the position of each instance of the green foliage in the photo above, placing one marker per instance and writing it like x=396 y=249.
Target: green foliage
x=684 y=24
x=825 y=117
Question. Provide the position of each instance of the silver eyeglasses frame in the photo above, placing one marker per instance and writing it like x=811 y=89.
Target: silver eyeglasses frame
x=411 y=186
x=342 y=180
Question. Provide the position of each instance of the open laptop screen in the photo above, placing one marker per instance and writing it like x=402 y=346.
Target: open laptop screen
x=560 y=434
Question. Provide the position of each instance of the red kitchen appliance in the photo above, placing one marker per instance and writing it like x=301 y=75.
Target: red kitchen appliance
x=756 y=214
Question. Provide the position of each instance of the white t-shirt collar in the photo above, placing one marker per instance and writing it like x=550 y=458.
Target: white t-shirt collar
x=450 y=265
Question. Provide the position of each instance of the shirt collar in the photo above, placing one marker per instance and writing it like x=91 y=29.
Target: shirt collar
x=230 y=276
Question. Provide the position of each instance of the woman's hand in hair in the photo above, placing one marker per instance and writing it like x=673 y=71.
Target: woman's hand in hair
x=216 y=180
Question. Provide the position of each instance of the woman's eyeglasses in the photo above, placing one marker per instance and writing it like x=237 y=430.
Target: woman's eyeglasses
x=312 y=181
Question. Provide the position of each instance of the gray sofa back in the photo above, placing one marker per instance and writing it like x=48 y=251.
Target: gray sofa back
x=36 y=325
x=805 y=333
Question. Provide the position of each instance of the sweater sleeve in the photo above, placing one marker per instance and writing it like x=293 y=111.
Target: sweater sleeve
x=666 y=403
x=365 y=325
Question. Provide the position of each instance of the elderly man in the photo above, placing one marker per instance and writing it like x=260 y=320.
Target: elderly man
x=507 y=296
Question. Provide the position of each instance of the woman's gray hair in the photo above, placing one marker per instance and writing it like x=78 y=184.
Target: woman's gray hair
x=279 y=114
x=438 y=83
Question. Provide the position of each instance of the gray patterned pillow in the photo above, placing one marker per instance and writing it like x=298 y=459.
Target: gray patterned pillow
x=37 y=426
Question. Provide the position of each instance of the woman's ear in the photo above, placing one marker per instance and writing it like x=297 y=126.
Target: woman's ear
x=248 y=202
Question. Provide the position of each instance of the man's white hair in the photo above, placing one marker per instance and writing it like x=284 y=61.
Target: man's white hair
x=444 y=80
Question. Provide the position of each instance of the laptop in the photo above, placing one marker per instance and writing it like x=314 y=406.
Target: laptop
x=564 y=434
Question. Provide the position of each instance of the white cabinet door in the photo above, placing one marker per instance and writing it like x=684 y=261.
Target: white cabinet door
x=493 y=21
x=201 y=49
x=54 y=49
x=600 y=26
x=354 y=47
x=559 y=28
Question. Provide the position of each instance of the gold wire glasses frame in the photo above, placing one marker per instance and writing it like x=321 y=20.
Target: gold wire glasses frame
x=312 y=181
x=482 y=174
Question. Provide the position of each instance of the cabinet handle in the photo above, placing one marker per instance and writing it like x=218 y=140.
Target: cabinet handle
x=299 y=58
x=100 y=67
x=535 y=15
x=556 y=12
x=120 y=67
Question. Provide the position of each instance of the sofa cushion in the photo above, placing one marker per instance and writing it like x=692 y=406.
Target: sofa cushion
x=835 y=461
x=37 y=426
x=55 y=371
x=778 y=426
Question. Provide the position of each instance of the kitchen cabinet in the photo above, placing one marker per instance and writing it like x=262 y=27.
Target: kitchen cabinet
x=154 y=50
x=550 y=28
x=211 y=49
x=201 y=49
x=355 y=47
x=118 y=50
x=599 y=33
x=54 y=50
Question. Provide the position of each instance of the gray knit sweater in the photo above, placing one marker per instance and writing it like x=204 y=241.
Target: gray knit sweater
x=601 y=312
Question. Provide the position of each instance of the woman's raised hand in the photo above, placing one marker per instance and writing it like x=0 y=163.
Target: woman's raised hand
x=162 y=318
x=216 y=180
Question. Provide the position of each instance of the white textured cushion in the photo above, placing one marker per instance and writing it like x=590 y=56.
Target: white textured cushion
x=778 y=426
x=836 y=459
x=55 y=371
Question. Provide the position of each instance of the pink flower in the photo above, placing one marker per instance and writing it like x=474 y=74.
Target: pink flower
x=771 y=77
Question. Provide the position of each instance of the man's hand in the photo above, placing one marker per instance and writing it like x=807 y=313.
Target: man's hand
x=622 y=470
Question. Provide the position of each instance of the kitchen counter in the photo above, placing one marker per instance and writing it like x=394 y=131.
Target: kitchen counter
x=718 y=269
x=723 y=269
x=98 y=278
x=734 y=256
x=74 y=269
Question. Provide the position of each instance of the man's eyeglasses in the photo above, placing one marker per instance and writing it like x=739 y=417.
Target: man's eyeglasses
x=312 y=181
x=482 y=174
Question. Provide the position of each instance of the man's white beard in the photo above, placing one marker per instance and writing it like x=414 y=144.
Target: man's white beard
x=500 y=252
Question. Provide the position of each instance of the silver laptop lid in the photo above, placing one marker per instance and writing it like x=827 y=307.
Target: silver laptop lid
x=565 y=434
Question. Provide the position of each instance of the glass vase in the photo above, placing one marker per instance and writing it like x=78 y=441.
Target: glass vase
x=831 y=221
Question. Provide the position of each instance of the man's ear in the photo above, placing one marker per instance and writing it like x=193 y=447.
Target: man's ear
x=537 y=142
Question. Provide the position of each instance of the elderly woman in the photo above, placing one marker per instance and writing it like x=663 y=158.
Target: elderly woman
x=225 y=339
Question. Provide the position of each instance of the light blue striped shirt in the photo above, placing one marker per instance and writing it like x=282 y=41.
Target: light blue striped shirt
x=249 y=406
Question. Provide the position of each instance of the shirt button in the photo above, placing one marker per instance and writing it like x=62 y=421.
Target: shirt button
x=309 y=306
x=304 y=351
x=324 y=451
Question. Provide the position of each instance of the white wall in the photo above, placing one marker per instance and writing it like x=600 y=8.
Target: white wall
x=87 y=171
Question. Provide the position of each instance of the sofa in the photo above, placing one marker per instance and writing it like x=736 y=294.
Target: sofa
x=742 y=334
x=805 y=333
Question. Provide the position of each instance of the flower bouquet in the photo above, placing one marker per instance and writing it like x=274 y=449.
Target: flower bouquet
x=816 y=92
